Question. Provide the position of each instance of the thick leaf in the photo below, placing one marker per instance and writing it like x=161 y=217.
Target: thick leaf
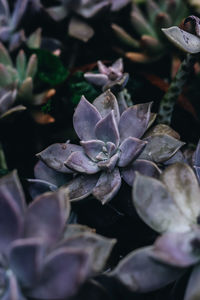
x=184 y=40
x=79 y=162
x=12 y=291
x=4 y=56
x=4 y=8
x=26 y=260
x=15 y=109
x=85 y=118
x=196 y=157
x=42 y=172
x=134 y=121
x=46 y=216
x=80 y=187
x=107 y=102
x=5 y=76
x=55 y=155
x=193 y=287
x=97 y=79
x=162 y=129
x=98 y=246
x=107 y=186
x=160 y=148
x=156 y=206
x=183 y=186
x=19 y=10
x=21 y=64
x=140 y=273
x=144 y=167
x=130 y=149
x=109 y=164
x=178 y=249
x=92 y=148
x=106 y=129
x=89 y=9
x=65 y=270
x=80 y=30
x=7 y=99
x=32 y=66
x=58 y=13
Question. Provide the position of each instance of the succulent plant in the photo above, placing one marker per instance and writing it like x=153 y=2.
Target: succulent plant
x=19 y=77
x=111 y=148
x=190 y=44
x=196 y=161
x=147 y=25
x=171 y=206
x=109 y=77
x=9 y=23
x=41 y=256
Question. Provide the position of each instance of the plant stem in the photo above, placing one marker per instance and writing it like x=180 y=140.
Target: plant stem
x=168 y=101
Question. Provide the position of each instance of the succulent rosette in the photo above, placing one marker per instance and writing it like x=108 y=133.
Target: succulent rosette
x=110 y=148
x=170 y=206
x=111 y=77
x=42 y=257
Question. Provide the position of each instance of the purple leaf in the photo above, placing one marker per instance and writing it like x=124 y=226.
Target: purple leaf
x=97 y=79
x=26 y=260
x=118 y=4
x=7 y=99
x=38 y=187
x=102 y=68
x=183 y=186
x=107 y=102
x=140 y=273
x=106 y=129
x=144 y=167
x=134 y=121
x=19 y=10
x=12 y=291
x=193 y=287
x=80 y=187
x=156 y=207
x=118 y=65
x=55 y=155
x=92 y=148
x=196 y=156
x=85 y=118
x=89 y=10
x=107 y=186
x=46 y=216
x=130 y=149
x=65 y=270
x=178 y=249
x=79 y=162
x=43 y=172
x=4 y=8
x=109 y=164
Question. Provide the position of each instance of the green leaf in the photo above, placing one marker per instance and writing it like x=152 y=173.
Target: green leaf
x=50 y=67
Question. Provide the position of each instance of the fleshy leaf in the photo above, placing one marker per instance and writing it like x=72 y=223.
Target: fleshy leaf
x=106 y=129
x=110 y=163
x=130 y=149
x=55 y=155
x=19 y=10
x=161 y=129
x=65 y=270
x=193 y=287
x=160 y=148
x=107 y=186
x=12 y=291
x=144 y=167
x=7 y=99
x=107 y=102
x=80 y=30
x=183 y=186
x=92 y=148
x=178 y=249
x=97 y=79
x=85 y=118
x=140 y=273
x=46 y=216
x=134 y=121
x=79 y=162
x=156 y=207
x=183 y=40
x=80 y=187
x=26 y=260
x=4 y=56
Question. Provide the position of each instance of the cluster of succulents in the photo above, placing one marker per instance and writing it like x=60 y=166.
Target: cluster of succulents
x=110 y=148
x=147 y=25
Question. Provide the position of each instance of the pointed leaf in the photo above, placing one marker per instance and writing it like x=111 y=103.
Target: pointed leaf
x=79 y=162
x=183 y=186
x=58 y=13
x=35 y=39
x=46 y=216
x=80 y=30
x=183 y=40
x=4 y=56
x=55 y=155
x=140 y=273
x=80 y=187
x=7 y=99
x=85 y=119
x=134 y=121
x=130 y=149
x=106 y=129
x=160 y=148
x=21 y=64
x=65 y=270
x=97 y=79
x=12 y=291
x=109 y=164
x=19 y=10
x=144 y=167
x=31 y=66
x=5 y=76
x=107 y=102
x=156 y=207
x=92 y=148
x=107 y=186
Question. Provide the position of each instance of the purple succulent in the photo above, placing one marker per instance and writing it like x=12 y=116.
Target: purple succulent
x=110 y=148
x=170 y=206
x=196 y=161
x=40 y=255
x=109 y=77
